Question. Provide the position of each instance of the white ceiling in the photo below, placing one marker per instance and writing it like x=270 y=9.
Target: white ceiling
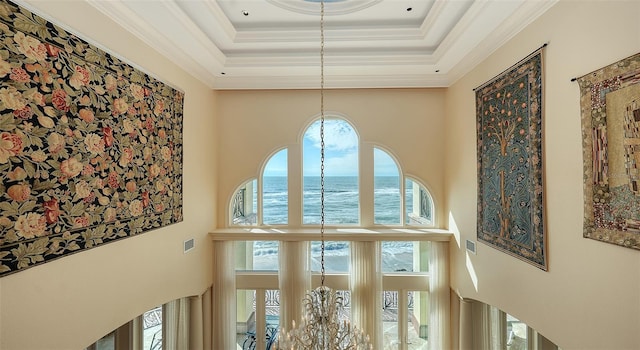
x=275 y=44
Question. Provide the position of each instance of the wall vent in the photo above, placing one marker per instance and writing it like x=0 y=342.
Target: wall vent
x=471 y=246
x=189 y=244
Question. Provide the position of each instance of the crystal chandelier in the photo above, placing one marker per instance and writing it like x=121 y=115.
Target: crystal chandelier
x=320 y=327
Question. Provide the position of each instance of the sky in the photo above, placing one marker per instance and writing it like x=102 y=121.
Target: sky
x=341 y=153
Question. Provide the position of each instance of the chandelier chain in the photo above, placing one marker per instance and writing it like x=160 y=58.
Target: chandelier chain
x=321 y=327
x=322 y=145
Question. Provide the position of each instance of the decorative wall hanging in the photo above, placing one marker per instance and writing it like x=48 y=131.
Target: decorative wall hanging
x=90 y=147
x=610 y=108
x=510 y=176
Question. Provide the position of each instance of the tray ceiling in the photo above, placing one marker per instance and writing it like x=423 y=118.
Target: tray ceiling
x=274 y=44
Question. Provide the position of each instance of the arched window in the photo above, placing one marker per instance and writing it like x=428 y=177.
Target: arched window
x=244 y=204
x=386 y=189
x=342 y=186
x=275 y=192
x=366 y=193
x=342 y=201
x=418 y=204
x=342 y=196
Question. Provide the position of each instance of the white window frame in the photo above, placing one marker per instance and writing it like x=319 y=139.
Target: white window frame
x=260 y=281
x=366 y=230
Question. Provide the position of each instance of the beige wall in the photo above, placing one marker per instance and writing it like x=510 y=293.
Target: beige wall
x=71 y=302
x=590 y=298
x=408 y=122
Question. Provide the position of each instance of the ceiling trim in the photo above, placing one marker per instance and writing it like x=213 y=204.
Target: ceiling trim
x=331 y=8
x=333 y=82
x=131 y=22
x=333 y=34
x=222 y=20
x=194 y=30
x=429 y=21
x=524 y=16
x=388 y=53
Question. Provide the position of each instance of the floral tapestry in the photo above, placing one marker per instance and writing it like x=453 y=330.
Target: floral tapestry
x=90 y=147
x=510 y=176
x=610 y=109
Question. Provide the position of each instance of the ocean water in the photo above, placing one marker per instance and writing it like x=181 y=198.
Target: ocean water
x=341 y=208
x=341 y=200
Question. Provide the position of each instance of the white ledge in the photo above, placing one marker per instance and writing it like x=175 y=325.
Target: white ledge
x=330 y=234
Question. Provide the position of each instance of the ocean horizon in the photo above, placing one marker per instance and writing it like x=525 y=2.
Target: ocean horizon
x=341 y=208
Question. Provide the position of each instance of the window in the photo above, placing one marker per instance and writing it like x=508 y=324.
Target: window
x=244 y=204
x=336 y=256
x=419 y=204
x=386 y=195
x=148 y=327
x=342 y=186
x=257 y=307
x=405 y=256
x=517 y=334
x=257 y=255
x=405 y=317
x=499 y=330
x=165 y=326
x=370 y=190
x=275 y=191
x=108 y=342
x=342 y=200
x=152 y=329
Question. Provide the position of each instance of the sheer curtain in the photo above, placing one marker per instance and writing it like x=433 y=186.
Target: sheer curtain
x=175 y=330
x=200 y=321
x=466 y=325
x=365 y=282
x=439 y=296
x=224 y=296
x=207 y=319
x=196 y=316
x=294 y=280
x=496 y=327
x=481 y=326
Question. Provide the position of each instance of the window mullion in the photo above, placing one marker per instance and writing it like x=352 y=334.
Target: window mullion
x=403 y=319
x=295 y=186
x=261 y=316
x=366 y=179
x=532 y=339
x=502 y=324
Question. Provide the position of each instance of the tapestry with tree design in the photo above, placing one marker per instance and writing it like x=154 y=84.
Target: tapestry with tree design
x=509 y=146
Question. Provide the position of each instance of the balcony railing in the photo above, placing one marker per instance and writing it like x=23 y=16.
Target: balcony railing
x=272 y=311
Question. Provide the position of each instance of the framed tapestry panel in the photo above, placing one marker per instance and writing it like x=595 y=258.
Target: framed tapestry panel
x=90 y=147
x=510 y=176
x=610 y=109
